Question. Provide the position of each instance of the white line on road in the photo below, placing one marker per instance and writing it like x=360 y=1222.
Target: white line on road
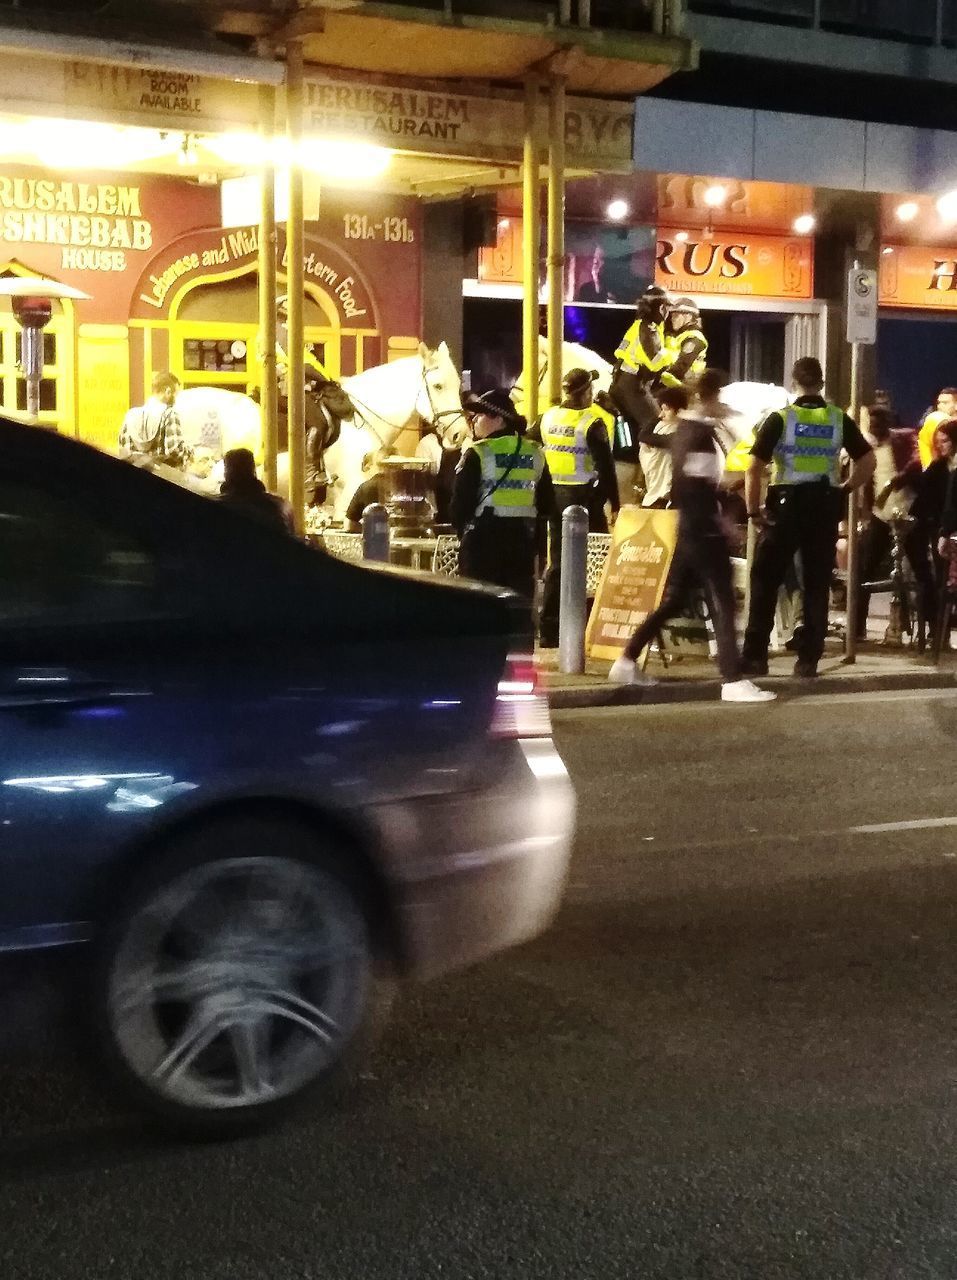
x=915 y=824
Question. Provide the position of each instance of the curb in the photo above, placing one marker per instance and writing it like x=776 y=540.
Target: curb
x=668 y=691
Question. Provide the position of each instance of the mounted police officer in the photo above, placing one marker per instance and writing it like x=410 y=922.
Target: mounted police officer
x=805 y=503
x=577 y=447
x=685 y=340
x=642 y=358
x=501 y=487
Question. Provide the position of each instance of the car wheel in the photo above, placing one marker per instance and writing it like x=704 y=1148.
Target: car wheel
x=238 y=976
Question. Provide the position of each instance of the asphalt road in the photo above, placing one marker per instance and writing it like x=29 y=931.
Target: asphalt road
x=735 y=1054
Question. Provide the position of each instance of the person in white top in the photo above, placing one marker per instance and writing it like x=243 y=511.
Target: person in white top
x=654 y=448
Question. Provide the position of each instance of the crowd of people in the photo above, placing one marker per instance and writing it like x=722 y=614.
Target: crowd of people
x=506 y=491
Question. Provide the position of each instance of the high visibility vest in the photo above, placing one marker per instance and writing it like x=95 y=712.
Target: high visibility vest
x=633 y=356
x=925 y=437
x=511 y=494
x=809 y=450
x=565 y=437
x=673 y=344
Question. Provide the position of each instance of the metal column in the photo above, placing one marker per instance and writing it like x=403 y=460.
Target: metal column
x=295 y=286
x=556 y=235
x=853 y=541
x=269 y=399
x=531 y=244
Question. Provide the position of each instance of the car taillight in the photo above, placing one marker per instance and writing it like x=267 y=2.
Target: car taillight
x=521 y=708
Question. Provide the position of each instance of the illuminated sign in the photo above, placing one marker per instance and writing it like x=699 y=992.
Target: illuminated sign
x=727 y=263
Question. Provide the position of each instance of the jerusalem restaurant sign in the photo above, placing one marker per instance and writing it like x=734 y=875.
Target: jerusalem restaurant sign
x=916 y=276
x=735 y=264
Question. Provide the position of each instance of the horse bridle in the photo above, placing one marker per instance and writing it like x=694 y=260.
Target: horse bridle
x=434 y=421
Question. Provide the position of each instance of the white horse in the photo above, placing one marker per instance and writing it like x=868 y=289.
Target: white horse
x=389 y=399
x=574 y=356
x=213 y=422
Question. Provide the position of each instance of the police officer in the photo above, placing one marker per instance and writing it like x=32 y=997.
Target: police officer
x=686 y=342
x=501 y=486
x=805 y=502
x=642 y=357
x=578 y=454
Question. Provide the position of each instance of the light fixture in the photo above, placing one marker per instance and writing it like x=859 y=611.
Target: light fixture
x=887 y=250
x=618 y=210
x=947 y=207
x=81 y=144
x=716 y=197
x=804 y=224
x=907 y=211
x=349 y=161
x=504 y=224
x=682 y=237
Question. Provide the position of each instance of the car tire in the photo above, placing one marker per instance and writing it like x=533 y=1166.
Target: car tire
x=238 y=976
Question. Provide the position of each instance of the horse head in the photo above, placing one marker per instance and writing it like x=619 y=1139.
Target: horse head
x=439 y=400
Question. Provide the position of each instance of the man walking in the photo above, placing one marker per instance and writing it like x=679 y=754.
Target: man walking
x=702 y=559
x=578 y=454
x=805 y=503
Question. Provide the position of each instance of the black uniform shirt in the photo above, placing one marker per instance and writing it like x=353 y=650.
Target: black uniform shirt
x=768 y=435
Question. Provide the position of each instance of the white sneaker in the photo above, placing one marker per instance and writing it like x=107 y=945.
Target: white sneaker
x=745 y=691
x=625 y=671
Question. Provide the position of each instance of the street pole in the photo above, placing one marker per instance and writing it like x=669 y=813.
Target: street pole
x=556 y=235
x=574 y=591
x=295 y=286
x=531 y=246
x=853 y=541
x=269 y=400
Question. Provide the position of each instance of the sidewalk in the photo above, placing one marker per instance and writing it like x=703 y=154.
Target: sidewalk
x=877 y=668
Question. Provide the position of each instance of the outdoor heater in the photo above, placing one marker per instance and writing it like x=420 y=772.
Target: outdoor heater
x=32 y=301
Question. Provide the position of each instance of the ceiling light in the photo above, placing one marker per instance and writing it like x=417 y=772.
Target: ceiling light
x=80 y=144
x=344 y=160
x=716 y=197
x=907 y=211
x=887 y=250
x=504 y=224
x=947 y=207
x=682 y=237
x=805 y=224
x=618 y=210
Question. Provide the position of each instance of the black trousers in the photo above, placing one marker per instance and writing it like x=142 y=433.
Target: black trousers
x=566 y=495
x=500 y=550
x=917 y=551
x=805 y=519
x=701 y=562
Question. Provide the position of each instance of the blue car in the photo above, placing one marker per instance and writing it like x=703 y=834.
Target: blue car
x=244 y=785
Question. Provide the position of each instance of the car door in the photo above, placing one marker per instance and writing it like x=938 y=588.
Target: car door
x=87 y=630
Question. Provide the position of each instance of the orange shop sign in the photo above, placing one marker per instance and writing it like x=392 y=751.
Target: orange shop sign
x=727 y=263
x=917 y=276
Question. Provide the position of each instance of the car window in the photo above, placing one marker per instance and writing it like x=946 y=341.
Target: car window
x=61 y=563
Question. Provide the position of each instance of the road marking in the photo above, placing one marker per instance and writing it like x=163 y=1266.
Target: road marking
x=915 y=824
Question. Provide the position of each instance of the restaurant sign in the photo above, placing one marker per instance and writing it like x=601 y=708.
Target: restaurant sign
x=729 y=263
x=917 y=276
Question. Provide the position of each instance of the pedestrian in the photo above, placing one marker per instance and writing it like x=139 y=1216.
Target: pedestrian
x=152 y=433
x=805 y=503
x=370 y=492
x=896 y=475
x=245 y=492
x=641 y=359
x=935 y=507
x=654 y=447
x=501 y=487
x=578 y=454
x=685 y=340
x=702 y=559
x=946 y=410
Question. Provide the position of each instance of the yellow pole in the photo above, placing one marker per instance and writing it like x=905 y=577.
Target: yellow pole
x=532 y=229
x=556 y=235
x=295 y=286
x=269 y=402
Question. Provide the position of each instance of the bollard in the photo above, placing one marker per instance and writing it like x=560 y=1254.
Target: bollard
x=853 y=578
x=375 y=533
x=571 y=618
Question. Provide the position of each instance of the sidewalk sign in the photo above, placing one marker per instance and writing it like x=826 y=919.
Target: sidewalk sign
x=633 y=583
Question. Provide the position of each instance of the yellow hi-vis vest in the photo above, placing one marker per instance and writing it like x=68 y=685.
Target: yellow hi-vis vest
x=809 y=450
x=925 y=437
x=565 y=437
x=505 y=491
x=673 y=344
x=633 y=356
